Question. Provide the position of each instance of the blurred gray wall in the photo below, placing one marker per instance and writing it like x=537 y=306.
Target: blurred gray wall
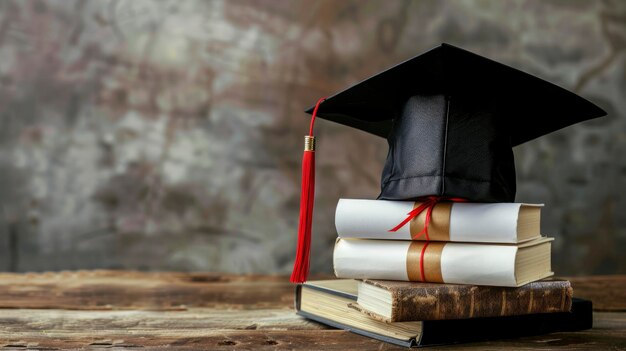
x=168 y=134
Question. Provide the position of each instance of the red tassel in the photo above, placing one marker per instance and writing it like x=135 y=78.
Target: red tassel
x=300 y=271
x=301 y=264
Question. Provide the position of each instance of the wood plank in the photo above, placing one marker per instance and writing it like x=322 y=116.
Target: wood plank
x=247 y=330
x=106 y=290
x=119 y=290
x=607 y=292
x=156 y=322
x=218 y=340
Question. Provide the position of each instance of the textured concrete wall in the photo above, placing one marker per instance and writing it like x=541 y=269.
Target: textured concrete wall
x=167 y=134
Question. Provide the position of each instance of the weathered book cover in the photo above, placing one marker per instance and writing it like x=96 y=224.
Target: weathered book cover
x=441 y=332
x=427 y=301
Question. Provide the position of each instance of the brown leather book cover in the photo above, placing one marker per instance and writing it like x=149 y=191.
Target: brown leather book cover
x=413 y=301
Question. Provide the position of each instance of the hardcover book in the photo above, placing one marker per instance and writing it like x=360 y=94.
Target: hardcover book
x=441 y=262
x=327 y=302
x=459 y=222
x=393 y=301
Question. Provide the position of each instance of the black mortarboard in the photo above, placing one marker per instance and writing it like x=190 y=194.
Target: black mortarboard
x=451 y=118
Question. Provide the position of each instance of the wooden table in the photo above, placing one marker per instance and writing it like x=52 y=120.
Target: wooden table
x=121 y=309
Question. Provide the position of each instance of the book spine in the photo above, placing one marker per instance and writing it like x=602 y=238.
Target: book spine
x=461 y=222
x=477 y=264
x=465 y=301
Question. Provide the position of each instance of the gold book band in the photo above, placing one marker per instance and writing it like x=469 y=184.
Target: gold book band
x=423 y=261
x=309 y=143
x=439 y=226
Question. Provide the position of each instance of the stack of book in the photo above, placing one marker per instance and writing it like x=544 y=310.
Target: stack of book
x=458 y=271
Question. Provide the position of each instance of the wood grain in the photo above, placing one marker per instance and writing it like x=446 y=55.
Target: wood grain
x=209 y=327
x=106 y=290
x=121 y=309
x=607 y=292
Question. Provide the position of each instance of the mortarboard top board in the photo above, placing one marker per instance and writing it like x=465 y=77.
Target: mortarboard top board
x=451 y=118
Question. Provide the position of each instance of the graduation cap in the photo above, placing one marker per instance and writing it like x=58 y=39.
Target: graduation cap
x=451 y=119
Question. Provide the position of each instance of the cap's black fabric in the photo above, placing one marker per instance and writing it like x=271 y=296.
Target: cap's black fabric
x=451 y=119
